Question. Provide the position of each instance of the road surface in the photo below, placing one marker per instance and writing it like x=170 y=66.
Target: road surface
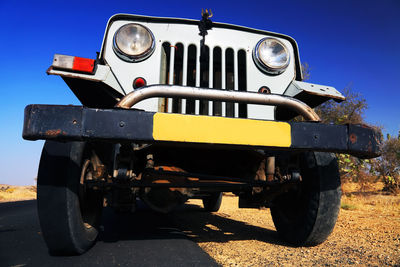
x=144 y=238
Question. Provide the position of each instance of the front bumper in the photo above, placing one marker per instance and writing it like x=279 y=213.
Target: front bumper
x=77 y=123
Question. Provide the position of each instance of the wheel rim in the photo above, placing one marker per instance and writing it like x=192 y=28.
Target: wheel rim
x=87 y=197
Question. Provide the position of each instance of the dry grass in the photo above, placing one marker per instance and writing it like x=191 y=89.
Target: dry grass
x=371 y=199
x=366 y=233
x=10 y=193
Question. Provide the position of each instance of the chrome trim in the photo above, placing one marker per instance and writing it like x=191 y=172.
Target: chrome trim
x=217 y=95
x=265 y=67
x=136 y=58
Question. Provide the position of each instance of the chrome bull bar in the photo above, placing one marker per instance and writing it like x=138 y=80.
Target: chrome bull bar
x=217 y=95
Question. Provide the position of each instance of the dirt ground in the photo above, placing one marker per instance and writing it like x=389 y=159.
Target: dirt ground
x=367 y=231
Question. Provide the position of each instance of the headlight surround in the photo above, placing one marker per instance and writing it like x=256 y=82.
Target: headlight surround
x=271 y=55
x=133 y=42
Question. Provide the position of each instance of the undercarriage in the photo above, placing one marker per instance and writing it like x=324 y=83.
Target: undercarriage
x=165 y=176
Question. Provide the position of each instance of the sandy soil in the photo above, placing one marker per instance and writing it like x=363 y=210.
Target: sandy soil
x=367 y=233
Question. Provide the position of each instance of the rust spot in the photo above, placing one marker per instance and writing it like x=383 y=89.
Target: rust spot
x=338 y=97
x=353 y=138
x=161 y=181
x=53 y=133
x=99 y=171
x=366 y=126
x=48 y=71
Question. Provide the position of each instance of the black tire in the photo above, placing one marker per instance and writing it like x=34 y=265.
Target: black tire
x=307 y=216
x=68 y=213
x=213 y=202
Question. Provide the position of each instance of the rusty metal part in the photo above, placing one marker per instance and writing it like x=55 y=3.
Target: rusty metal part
x=149 y=161
x=216 y=95
x=353 y=138
x=332 y=96
x=167 y=198
x=99 y=171
x=260 y=176
x=55 y=133
x=270 y=168
x=197 y=179
x=169 y=179
x=123 y=163
x=265 y=172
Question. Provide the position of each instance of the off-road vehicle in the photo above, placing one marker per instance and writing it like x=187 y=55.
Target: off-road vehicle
x=174 y=109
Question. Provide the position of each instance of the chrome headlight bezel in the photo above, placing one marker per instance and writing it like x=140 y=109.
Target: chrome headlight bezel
x=263 y=65
x=130 y=57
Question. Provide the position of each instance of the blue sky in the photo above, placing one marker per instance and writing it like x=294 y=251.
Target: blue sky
x=345 y=43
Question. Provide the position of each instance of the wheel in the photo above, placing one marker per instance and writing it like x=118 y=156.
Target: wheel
x=307 y=216
x=68 y=212
x=212 y=203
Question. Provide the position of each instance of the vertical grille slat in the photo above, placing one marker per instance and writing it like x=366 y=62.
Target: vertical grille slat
x=204 y=77
x=191 y=76
x=164 y=77
x=184 y=75
x=171 y=74
x=197 y=102
x=207 y=67
x=223 y=81
x=242 y=80
x=217 y=79
x=229 y=77
x=178 y=65
x=235 y=83
x=210 y=79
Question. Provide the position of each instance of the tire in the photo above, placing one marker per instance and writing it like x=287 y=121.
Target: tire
x=213 y=202
x=68 y=213
x=307 y=216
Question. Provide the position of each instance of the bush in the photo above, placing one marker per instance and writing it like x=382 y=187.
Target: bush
x=387 y=166
x=346 y=206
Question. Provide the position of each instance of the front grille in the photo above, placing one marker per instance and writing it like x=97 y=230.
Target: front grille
x=207 y=67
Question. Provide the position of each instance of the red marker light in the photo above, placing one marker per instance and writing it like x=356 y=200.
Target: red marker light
x=264 y=90
x=83 y=64
x=139 y=82
x=73 y=63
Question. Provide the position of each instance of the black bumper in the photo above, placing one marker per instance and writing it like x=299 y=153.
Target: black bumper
x=76 y=123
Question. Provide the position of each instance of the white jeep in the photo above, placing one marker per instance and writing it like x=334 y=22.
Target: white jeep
x=174 y=109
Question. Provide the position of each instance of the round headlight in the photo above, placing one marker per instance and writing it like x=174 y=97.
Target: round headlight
x=271 y=55
x=133 y=42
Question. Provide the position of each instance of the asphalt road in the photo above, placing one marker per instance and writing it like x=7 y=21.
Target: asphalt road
x=144 y=238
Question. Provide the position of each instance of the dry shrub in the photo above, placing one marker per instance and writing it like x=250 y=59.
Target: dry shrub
x=16 y=193
x=387 y=166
